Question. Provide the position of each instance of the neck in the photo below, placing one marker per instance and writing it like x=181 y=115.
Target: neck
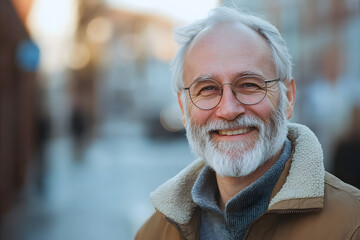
x=230 y=186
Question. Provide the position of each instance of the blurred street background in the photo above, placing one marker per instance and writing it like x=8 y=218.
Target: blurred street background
x=89 y=123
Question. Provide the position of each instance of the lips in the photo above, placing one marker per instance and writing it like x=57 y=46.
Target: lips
x=234 y=132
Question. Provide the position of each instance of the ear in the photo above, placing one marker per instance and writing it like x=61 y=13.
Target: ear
x=290 y=94
x=181 y=107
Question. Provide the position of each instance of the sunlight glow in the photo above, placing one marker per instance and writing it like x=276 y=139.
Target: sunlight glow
x=183 y=11
x=52 y=25
x=53 y=18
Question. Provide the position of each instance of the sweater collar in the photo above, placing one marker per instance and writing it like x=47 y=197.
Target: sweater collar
x=305 y=180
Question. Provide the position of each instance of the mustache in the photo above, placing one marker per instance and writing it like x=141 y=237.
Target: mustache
x=242 y=121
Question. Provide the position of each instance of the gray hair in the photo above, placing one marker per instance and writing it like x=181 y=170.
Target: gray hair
x=185 y=35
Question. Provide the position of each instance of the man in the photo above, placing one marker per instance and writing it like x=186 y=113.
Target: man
x=257 y=176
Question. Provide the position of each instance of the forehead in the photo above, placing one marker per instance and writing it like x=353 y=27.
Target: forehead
x=226 y=49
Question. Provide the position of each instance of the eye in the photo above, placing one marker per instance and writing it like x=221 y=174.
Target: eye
x=205 y=88
x=249 y=85
x=209 y=90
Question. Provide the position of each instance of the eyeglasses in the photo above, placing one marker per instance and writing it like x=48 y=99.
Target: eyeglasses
x=206 y=94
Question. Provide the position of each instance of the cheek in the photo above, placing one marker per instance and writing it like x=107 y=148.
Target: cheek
x=199 y=116
x=264 y=109
x=272 y=98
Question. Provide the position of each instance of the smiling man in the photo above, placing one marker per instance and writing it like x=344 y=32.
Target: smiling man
x=258 y=176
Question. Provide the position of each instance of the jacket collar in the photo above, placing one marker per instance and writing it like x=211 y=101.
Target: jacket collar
x=301 y=187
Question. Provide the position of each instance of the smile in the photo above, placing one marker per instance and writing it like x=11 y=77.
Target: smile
x=234 y=132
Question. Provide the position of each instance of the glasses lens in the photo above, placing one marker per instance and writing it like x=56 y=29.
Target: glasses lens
x=205 y=94
x=249 y=89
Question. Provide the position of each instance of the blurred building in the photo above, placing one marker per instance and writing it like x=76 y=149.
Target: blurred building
x=119 y=65
x=18 y=60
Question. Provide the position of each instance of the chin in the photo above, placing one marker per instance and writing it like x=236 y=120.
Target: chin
x=235 y=162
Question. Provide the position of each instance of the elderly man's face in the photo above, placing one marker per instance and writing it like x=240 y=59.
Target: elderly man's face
x=224 y=52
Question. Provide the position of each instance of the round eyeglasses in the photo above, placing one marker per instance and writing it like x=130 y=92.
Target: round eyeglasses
x=206 y=93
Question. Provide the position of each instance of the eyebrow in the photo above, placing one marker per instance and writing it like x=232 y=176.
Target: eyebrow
x=246 y=73
x=206 y=77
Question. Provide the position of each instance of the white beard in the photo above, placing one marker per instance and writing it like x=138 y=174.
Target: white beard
x=236 y=159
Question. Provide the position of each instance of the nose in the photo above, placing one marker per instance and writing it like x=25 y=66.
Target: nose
x=229 y=107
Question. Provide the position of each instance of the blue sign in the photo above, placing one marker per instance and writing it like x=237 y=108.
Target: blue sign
x=28 y=55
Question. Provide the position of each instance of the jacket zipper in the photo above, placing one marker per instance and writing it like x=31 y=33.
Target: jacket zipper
x=176 y=226
x=293 y=211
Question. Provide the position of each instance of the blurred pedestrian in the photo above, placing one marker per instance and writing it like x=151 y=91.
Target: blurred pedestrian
x=347 y=153
x=78 y=129
x=42 y=136
x=330 y=90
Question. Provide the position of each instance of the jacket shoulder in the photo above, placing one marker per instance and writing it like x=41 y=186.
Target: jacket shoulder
x=157 y=227
x=337 y=218
x=341 y=191
x=342 y=203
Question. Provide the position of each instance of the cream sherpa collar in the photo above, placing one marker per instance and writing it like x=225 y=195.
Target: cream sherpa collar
x=305 y=179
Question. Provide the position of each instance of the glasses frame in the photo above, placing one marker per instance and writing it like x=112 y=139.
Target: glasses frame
x=221 y=92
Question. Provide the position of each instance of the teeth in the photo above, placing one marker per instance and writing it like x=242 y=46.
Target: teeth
x=234 y=132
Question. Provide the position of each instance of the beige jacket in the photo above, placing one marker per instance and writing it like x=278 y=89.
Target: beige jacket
x=306 y=202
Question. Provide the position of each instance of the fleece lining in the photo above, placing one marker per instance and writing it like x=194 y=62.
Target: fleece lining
x=305 y=180
x=307 y=173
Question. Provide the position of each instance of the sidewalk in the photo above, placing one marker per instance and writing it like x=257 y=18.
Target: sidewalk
x=105 y=195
